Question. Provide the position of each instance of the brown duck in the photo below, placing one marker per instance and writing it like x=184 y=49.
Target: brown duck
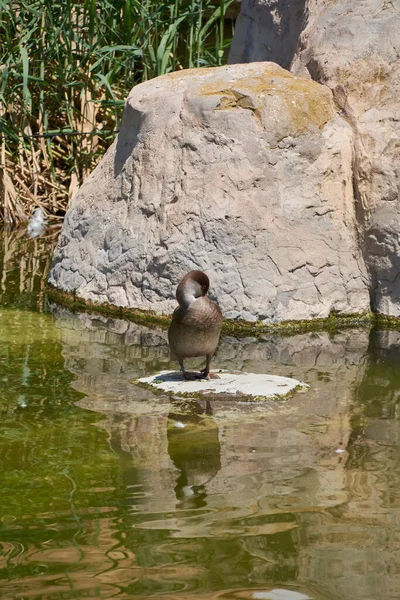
x=196 y=322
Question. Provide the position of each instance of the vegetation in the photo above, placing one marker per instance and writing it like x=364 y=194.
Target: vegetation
x=66 y=67
x=333 y=323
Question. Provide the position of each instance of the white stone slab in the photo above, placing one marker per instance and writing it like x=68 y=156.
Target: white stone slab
x=247 y=384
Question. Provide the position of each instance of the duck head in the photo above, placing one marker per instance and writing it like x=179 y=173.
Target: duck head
x=194 y=285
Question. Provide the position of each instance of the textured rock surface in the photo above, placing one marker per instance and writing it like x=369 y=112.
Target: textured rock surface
x=227 y=383
x=353 y=48
x=242 y=171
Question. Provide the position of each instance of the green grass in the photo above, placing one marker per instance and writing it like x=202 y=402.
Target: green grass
x=68 y=66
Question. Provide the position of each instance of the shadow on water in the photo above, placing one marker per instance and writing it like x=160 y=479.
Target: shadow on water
x=109 y=491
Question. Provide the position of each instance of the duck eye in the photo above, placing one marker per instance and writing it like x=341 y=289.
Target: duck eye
x=204 y=288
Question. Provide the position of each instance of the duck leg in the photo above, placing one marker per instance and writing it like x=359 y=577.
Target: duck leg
x=182 y=368
x=206 y=371
x=189 y=375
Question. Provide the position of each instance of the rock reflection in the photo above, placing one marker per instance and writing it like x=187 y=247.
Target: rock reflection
x=267 y=477
x=356 y=545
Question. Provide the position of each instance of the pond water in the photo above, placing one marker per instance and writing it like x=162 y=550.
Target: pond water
x=108 y=491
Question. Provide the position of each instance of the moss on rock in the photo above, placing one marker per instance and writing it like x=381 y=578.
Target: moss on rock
x=238 y=328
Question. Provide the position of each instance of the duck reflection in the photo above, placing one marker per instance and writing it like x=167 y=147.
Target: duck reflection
x=194 y=448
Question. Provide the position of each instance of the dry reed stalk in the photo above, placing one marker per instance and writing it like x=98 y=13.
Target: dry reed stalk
x=12 y=212
x=68 y=65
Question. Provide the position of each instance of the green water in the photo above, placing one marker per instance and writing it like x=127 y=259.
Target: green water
x=108 y=491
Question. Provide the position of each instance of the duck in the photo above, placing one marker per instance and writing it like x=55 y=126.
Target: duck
x=196 y=323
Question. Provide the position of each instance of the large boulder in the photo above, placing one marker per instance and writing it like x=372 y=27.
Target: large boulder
x=243 y=171
x=353 y=48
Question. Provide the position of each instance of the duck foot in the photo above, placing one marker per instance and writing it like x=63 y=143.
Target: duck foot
x=192 y=376
x=198 y=376
x=209 y=375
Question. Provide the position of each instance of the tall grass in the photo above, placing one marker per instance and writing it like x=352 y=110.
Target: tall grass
x=67 y=66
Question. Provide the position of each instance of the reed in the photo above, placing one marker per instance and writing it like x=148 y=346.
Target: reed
x=67 y=66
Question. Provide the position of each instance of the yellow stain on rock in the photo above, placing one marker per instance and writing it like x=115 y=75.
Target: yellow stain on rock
x=266 y=89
